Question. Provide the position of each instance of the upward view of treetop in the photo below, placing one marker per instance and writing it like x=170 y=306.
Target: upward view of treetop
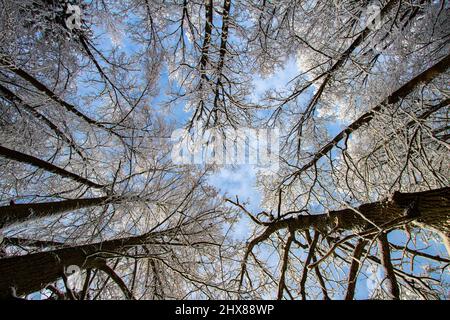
x=353 y=203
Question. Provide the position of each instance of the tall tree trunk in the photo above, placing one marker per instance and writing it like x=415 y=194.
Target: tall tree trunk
x=13 y=98
x=385 y=257
x=354 y=268
x=429 y=209
x=33 y=272
x=47 y=166
x=17 y=213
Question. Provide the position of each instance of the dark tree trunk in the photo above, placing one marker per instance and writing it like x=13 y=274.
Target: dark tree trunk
x=47 y=166
x=17 y=213
x=33 y=272
x=428 y=209
x=354 y=268
x=385 y=257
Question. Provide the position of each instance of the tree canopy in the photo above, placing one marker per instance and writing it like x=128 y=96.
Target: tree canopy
x=94 y=205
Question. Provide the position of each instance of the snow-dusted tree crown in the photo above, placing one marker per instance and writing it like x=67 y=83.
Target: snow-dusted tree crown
x=227 y=149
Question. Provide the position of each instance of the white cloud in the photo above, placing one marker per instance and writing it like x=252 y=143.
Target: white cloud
x=277 y=81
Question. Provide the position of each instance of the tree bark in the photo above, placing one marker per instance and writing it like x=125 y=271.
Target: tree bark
x=354 y=268
x=385 y=257
x=17 y=213
x=430 y=209
x=312 y=248
x=33 y=272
